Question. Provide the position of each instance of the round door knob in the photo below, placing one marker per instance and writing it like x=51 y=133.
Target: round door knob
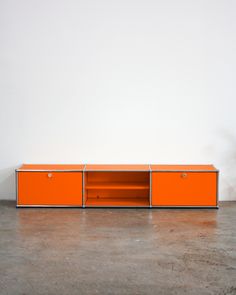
x=49 y=175
x=183 y=175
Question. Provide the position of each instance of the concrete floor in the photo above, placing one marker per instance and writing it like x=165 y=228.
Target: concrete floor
x=117 y=251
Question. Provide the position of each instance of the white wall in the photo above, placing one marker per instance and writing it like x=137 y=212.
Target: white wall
x=128 y=81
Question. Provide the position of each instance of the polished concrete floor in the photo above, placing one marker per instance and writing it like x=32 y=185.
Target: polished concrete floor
x=117 y=251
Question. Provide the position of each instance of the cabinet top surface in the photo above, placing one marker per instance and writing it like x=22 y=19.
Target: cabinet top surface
x=51 y=167
x=183 y=168
x=117 y=167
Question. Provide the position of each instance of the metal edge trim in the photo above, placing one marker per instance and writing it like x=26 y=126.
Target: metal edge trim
x=150 y=188
x=49 y=206
x=117 y=171
x=213 y=171
x=93 y=206
x=186 y=207
x=147 y=207
x=217 y=189
x=81 y=170
x=16 y=186
x=83 y=186
x=40 y=170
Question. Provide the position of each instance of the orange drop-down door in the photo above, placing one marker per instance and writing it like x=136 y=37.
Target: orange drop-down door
x=184 y=188
x=50 y=188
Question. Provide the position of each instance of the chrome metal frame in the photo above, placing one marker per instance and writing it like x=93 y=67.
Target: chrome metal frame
x=123 y=207
x=207 y=171
x=16 y=187
x=185 y=207
x=217 y=188
x=47 y=170
x=83 y=187
x=49 y=206
x=150 y=186
x=118 y=171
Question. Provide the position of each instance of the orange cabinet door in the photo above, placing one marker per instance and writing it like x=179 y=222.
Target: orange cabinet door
x=50 y=188
x=184 y=189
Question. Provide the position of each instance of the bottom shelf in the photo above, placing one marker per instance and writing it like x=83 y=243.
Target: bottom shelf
x=117 y=202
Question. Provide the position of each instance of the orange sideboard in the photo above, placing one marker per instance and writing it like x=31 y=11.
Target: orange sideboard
x=117 y=186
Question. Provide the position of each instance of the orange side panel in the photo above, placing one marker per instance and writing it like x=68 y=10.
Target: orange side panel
x=184 y=189
x=56 y=188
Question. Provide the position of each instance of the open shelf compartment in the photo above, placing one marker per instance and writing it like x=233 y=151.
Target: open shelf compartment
x=118 y=189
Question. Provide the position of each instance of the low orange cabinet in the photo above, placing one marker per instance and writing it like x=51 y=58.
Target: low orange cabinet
x=117 y=186
x=184 y=186
x=49 y=186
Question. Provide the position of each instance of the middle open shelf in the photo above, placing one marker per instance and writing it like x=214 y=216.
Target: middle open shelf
x=110 y=188
x=117 y=185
